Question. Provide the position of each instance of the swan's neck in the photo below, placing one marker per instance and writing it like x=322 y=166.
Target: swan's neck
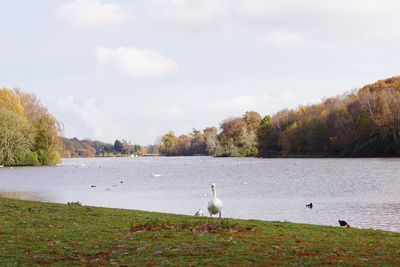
x=215 y=193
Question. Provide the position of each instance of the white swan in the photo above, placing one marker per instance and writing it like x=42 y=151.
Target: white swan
x=215 y=204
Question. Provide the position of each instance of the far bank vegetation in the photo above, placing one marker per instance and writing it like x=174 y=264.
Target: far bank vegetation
x=86 y=148
x=363 y=123
x=29 y=134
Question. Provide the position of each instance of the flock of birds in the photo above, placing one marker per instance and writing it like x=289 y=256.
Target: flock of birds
x=341 y=222
x=215 y=204
x=215 y=207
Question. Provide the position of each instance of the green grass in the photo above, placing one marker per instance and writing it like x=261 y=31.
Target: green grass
x=35 y=233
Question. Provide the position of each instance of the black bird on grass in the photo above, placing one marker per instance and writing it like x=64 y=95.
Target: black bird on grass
x=343 y=224
x=309 y=205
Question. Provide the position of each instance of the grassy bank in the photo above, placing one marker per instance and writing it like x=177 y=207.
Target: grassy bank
x=55 y=234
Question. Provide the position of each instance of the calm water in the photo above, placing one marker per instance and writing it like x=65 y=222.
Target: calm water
x=364 y=192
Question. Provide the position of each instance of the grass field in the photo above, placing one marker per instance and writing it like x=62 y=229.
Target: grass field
x=35 y=233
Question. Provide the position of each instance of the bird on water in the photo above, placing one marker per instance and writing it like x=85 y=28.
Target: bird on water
x=309 y=205
x=215 y=204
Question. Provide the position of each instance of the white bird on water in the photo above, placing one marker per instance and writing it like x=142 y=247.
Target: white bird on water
x=215 y=204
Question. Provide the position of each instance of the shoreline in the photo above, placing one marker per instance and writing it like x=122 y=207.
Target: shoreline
x=21 y=196
x=58 y=234
x=158 y=155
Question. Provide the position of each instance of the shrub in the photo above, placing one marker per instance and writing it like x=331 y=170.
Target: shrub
x=26 y=158
x=43 y=157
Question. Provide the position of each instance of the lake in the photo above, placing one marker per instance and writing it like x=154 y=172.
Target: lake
x=363 y=192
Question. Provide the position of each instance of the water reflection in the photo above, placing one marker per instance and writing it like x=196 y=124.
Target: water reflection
x=363 y=192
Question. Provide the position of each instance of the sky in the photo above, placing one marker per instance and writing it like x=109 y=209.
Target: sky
x=135 y=69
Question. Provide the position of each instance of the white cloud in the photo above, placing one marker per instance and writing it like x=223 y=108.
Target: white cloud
x=368 y=67
x=172 y=112
x=88 y=118
x=188 y=11
x=227 y=105
x=263 y=103
x=329 y=23
x=285 y=39
x=134 y=62
x=92 y=14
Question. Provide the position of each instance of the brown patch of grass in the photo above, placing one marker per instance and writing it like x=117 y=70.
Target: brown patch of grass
x=197 y=228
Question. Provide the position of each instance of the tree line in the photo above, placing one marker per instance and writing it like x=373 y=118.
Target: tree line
x=362 y=123
x=237 y=137
x=74 y=147
x=29 y=134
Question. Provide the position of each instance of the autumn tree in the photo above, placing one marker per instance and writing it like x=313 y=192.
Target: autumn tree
x=197 y=143
x=10 y=101
x=47 y=129
x=211 y=141
x=232 y=127
x=16 y=139
x=252 y=120
x=127 y=147
x=32 y=107
x=87 y=151
x=167 y=143
x=47 y=137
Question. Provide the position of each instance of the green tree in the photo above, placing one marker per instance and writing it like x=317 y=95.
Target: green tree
x=47 y=137
x=267 y=138
x=47 y=128
x=167 y=143
x=16 y=136
x=118 y=146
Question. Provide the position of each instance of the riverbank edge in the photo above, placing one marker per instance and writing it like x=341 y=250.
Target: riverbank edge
x=59 y=234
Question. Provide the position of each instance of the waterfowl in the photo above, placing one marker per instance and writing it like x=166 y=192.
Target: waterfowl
x=199 y=213
x=343 y=224
x=309 y=205
x=215 y=204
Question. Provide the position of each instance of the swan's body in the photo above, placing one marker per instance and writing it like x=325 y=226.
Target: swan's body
x=215 y=204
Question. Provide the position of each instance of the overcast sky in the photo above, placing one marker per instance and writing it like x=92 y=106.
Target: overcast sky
x=135 y=69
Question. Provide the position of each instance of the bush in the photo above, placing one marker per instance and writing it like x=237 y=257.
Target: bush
x=26 y=158
x=43 y=157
